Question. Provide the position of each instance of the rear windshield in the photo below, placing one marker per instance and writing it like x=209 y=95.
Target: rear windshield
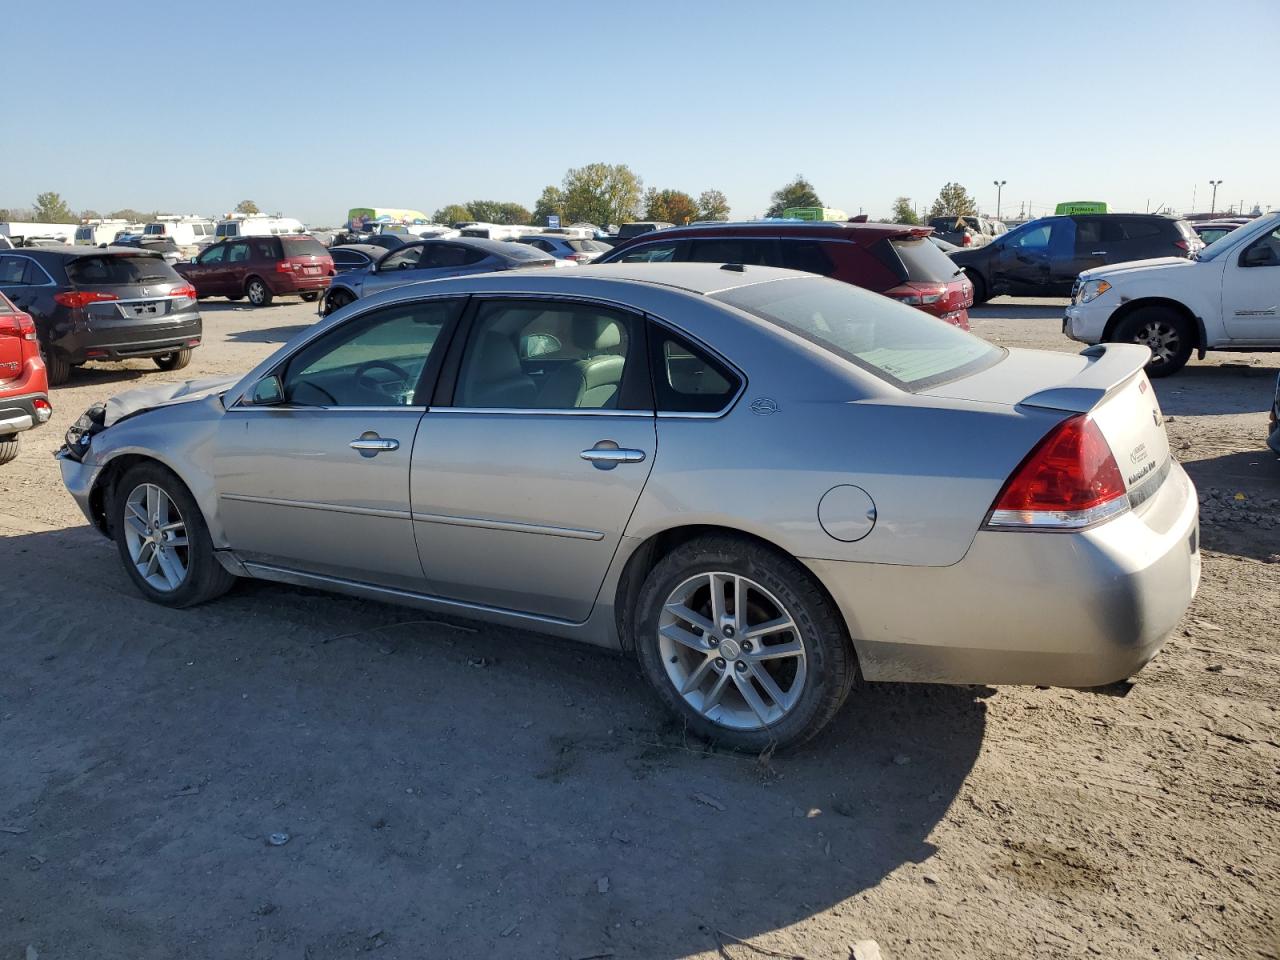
x=522 y=251
x=916 y=260
x=898 y=344
x=296 y=246
x=586 y=246
x=117 y=269
x=161 y=246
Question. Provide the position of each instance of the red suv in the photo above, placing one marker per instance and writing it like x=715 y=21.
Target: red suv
x=897 y=261
x=261 y=268
x=24 y=389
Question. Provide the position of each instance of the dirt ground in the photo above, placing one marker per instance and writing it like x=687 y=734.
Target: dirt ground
x=455 y=791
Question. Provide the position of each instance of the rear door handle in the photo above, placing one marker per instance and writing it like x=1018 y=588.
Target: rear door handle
x=1098 y=253
x=606 y=458
x=370 y=444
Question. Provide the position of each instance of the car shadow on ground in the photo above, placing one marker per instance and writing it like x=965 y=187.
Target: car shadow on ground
x=1239 y=498
x=475 y=790
x=268 y=334
x=995 y=310
x=1199 y=389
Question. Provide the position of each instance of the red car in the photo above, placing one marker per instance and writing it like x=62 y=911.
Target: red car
x=895 y=260
x=24 y=389
x=261 y=269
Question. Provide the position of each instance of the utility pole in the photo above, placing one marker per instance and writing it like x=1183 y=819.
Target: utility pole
x=999 y=185
x=1213 y=204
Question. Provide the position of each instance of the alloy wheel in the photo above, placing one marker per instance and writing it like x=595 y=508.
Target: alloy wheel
x=257 y=293
x=156 y=537
x=1163 y=339
x=732 y=651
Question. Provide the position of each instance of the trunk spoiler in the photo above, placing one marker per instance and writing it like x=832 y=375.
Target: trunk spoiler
x=1111 y=365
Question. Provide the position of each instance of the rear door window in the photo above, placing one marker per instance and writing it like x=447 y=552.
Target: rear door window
x=238 y=252
x=13 y=271
x=265 y=248
x=651 y=253
x=449 y=255
x=762 y=252
x=807 y=255
x=900 y=345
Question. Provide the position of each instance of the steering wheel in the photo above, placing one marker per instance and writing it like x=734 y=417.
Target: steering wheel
x=364 y=380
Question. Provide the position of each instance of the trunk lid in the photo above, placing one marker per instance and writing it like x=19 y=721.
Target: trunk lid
x=1105 y=381
x=15 y=327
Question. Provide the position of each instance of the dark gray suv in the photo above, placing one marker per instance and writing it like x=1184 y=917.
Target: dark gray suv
x=1042 y=258
x=102 y=304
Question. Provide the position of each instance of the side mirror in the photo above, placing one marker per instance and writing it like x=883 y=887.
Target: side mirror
x=267 y=392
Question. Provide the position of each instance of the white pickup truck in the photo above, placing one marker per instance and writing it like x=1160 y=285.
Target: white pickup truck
x=1226 y=298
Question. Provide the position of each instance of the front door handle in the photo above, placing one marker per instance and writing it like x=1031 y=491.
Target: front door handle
x=370 y=444
x=606 y=455
x=1098 y=253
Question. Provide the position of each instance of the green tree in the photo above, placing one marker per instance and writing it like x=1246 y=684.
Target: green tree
x=453 y=213
x=247 y=207
x=494 y=211
x=953 y=201
x=51 y=208
x=90 y=215
x=602 y=193
x=798 y=193
x=713 y=205
x=673 y=206
x=903 y=212
x=550 y=204
x=128 y=213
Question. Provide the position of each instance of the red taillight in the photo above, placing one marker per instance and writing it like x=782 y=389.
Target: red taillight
x=188 y=291
x=918 y=294
x=1068 y=481
x=577 y=257
x=966 y=240
x=18 y=325
x=82 y=298
x=284 y=266
x=1182 y=245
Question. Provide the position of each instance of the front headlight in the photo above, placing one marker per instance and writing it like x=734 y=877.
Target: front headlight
x=1093 y=289
x=81 y=432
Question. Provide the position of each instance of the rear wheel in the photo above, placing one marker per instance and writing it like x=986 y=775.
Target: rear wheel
x=980 y=293
x=742 y=643
x=1168 y=334
x=56 y=366
x=336 y=300
x=310 y=297
x=235 y=297
x=8 y=449
x=258 y=292
x=173 y=361
x=163 y=540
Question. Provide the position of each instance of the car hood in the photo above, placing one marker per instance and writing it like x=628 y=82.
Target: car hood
x=1134 y=266
x=162 y=395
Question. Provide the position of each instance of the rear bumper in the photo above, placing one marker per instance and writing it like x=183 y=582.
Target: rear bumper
x=1060 y=609
x=19 y=413
x=282 y=285
x=121 y=341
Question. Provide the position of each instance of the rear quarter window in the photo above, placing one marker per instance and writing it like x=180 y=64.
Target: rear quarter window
x=900 y=345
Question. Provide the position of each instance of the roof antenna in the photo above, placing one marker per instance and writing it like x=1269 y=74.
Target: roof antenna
x=735 y=267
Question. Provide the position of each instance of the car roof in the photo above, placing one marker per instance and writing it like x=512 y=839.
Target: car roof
x=501 y=248
x=368 y=249
x=71 y=252
x=830 y=229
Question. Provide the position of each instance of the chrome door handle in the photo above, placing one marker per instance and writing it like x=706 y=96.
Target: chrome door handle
x=371 y=444
x=606 y=458
x=1098 y=253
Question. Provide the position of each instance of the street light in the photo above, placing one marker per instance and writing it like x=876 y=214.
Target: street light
x=999 y=185
x=1213 y=204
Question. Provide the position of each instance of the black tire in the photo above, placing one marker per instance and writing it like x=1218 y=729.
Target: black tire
x=336 y=300
x=311 y=296
x=205 y=578
x=980 y=292
x=8 y=449
x=56 y=366
x=259 y=294
x=173 y=361
x=1168 y=333
x=830 y=663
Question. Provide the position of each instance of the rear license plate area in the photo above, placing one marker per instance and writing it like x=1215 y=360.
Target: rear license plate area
x=148 y=308
x=311 y=270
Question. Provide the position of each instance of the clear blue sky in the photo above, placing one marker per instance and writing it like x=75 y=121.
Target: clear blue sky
x=312 y=108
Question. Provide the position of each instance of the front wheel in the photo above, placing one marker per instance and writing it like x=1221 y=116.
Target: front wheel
x=175 y=360
x=258 y=292
x=336 y=300
x=742 y=643
x=163 y=541
x=1168 y=334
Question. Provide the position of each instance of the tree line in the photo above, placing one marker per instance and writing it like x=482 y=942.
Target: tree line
x=598 y=193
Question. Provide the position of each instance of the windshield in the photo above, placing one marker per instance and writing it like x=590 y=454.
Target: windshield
x=900 y=345
x=1225 y=243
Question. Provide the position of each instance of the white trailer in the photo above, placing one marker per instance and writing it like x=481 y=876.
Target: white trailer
x=13 y=230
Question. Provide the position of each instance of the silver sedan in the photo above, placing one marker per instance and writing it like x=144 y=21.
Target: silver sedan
x=763 y=484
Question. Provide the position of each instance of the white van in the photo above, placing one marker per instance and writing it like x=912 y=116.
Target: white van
x=61 y=231
x=94 y=233
x=257 y=227
x=497 y=231
x=188 y=233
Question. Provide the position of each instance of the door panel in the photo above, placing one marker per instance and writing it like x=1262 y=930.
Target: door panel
x=508 y=514
x=293 y=492
x=1251 y=295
